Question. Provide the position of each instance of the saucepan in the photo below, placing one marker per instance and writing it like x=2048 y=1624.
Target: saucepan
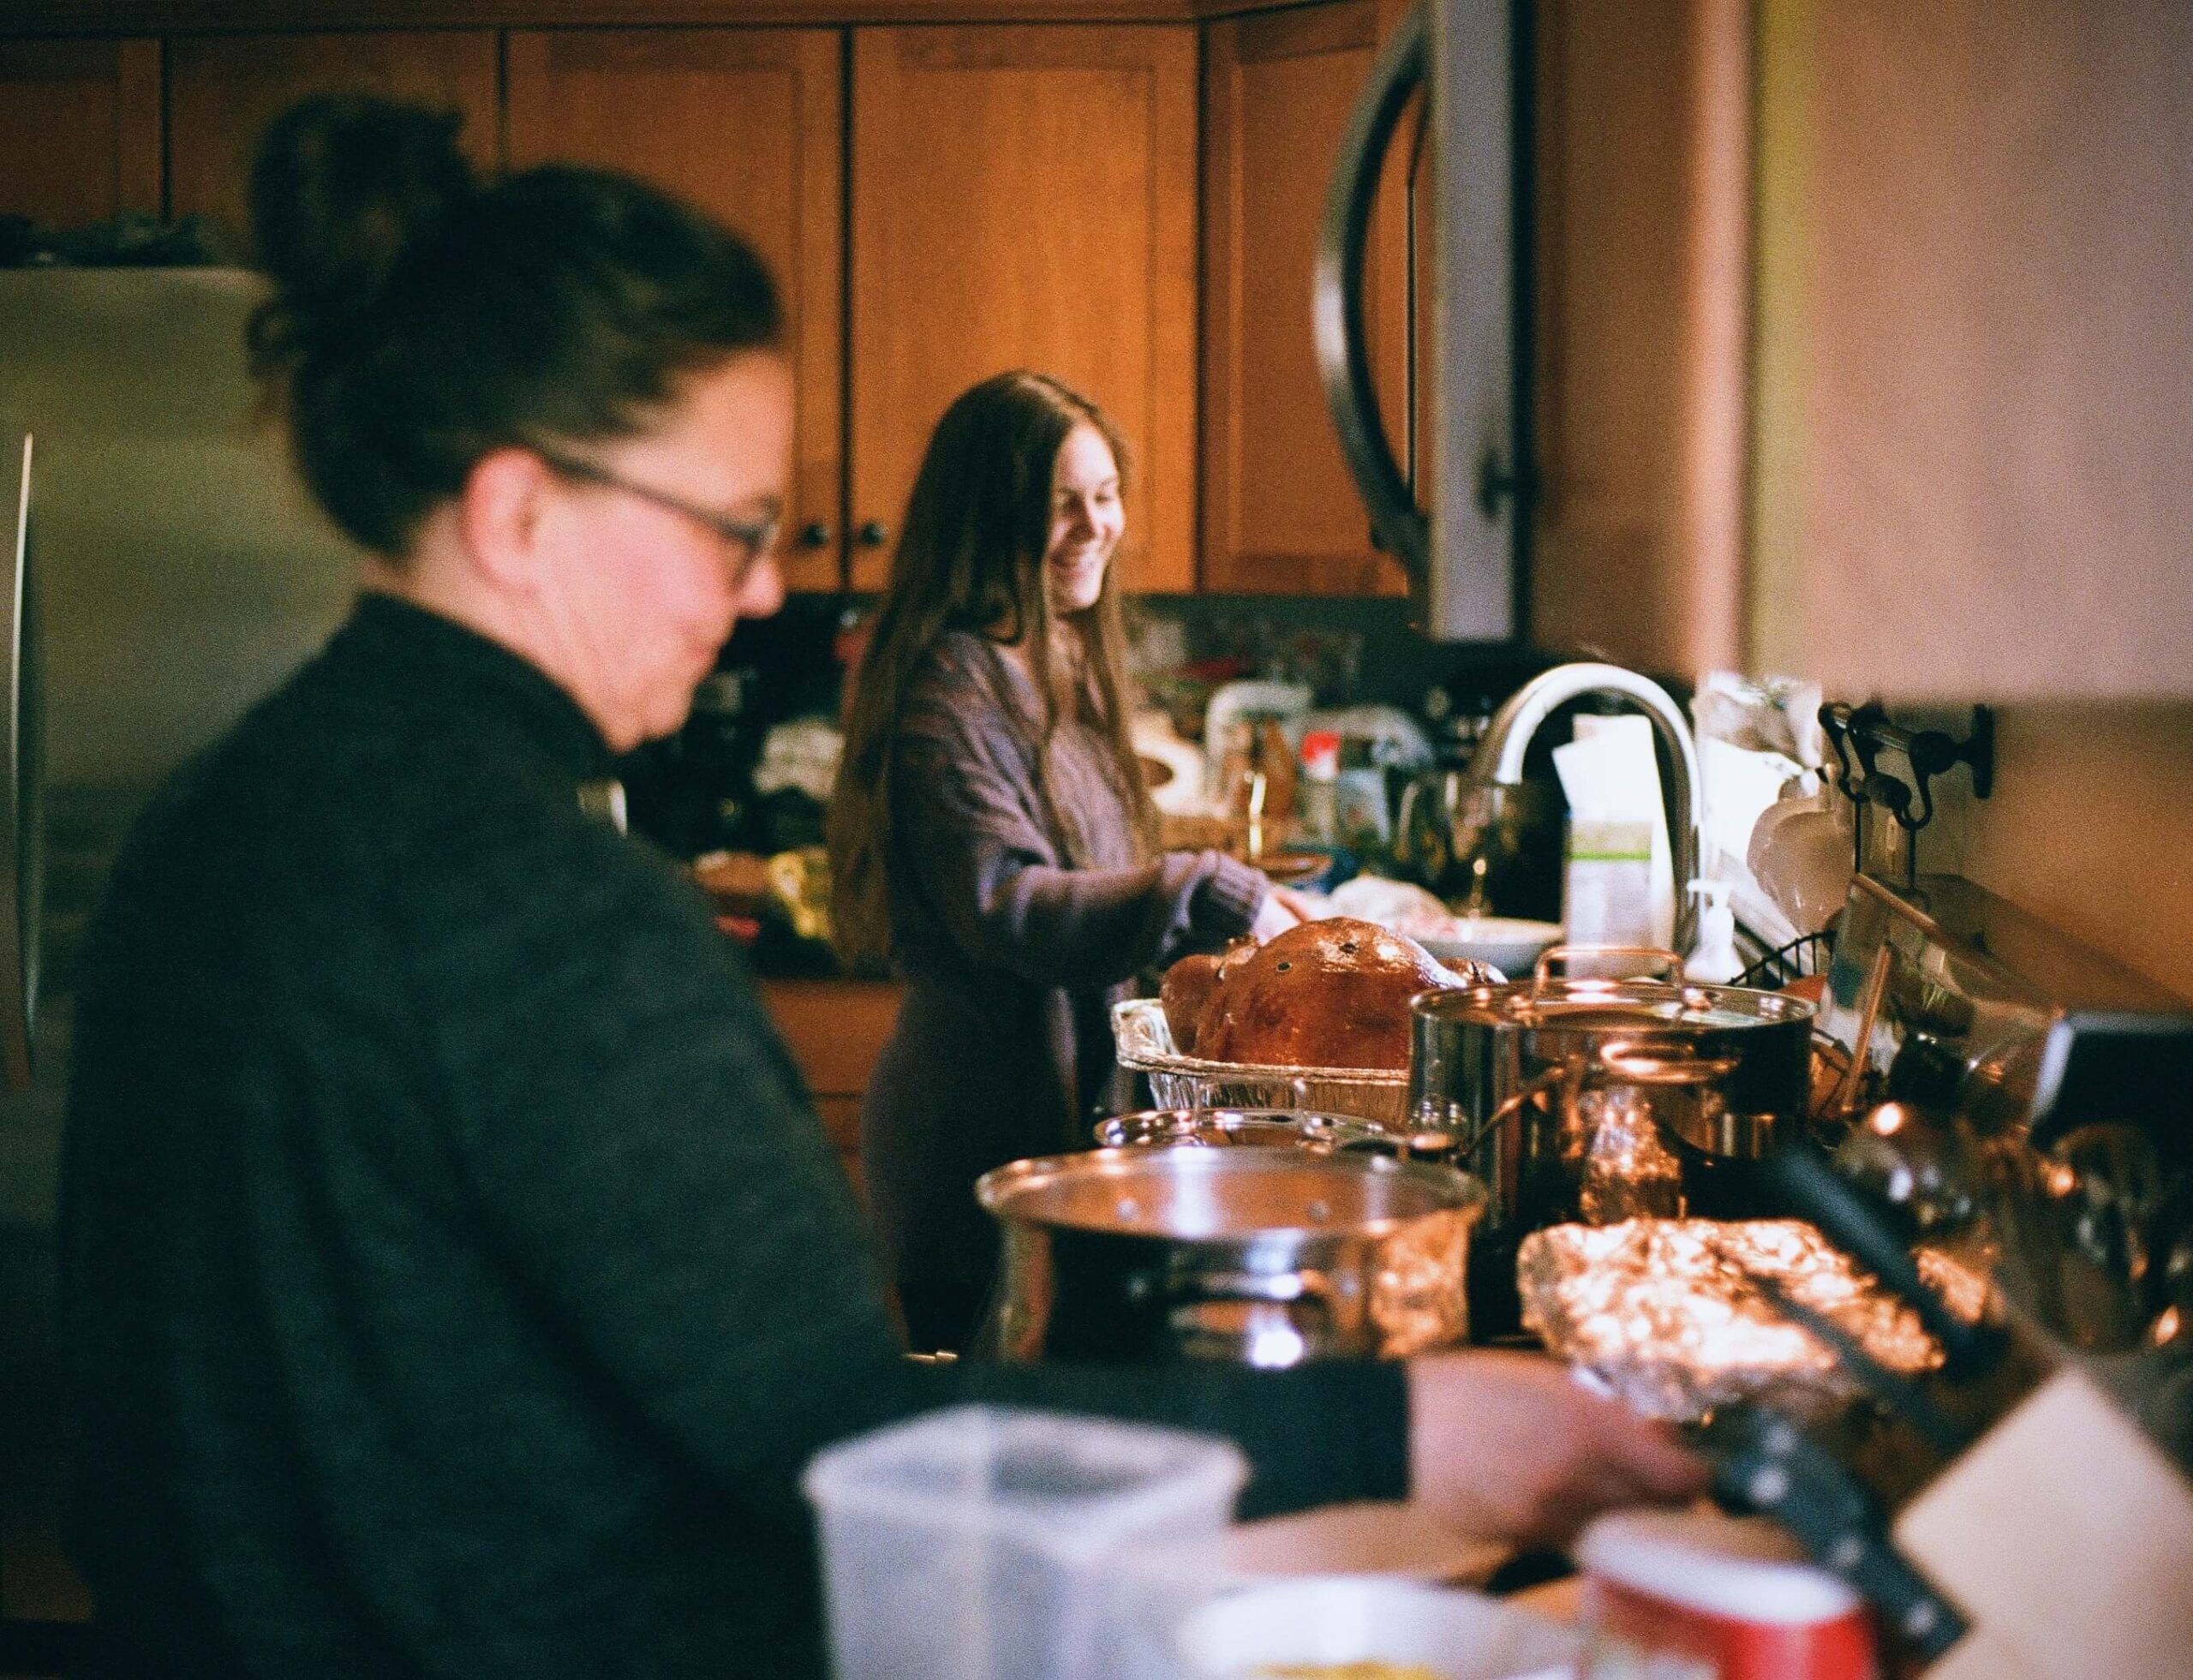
x=1267 y=1255
x=1599 y=1100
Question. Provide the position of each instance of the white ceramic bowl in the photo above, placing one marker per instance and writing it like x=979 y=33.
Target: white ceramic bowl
x=1458 y=1636
x=1510 y=943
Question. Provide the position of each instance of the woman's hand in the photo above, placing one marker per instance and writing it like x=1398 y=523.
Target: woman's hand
x=1276 y=915
x=1506 y=1446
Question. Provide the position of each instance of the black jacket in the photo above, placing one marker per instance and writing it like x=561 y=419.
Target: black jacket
x=454 y=1275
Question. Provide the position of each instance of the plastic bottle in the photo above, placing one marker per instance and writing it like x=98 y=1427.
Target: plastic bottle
x=1714 y=960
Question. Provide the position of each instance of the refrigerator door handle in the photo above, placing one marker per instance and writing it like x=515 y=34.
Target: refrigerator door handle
x=19 y=808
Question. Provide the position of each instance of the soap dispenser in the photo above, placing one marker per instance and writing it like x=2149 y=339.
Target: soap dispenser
x=1714 y=960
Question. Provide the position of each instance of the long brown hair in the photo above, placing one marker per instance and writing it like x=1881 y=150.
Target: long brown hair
x=970 y=557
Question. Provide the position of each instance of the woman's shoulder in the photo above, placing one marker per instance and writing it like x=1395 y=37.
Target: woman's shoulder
x=959 y=676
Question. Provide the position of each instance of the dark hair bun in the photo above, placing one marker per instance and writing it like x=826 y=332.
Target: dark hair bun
x=342 y=184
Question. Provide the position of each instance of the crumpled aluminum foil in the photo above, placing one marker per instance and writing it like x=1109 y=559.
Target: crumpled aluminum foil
x=1662 y=1310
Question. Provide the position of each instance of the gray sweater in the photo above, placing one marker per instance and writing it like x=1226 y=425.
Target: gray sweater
x=455 y=1278
x=1018 y=915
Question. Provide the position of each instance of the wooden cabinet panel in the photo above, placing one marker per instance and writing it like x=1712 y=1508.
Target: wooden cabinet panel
x=1641 y=302
x=1280 y=509
x=746 y=124
x=1026 y=197
x=79 y=129
x=224 y=90
x=1976 y=353
x=833 y=1028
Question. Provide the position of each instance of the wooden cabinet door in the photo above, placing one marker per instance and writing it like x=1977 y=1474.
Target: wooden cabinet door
x=79 y=129
x=746 y=124
x=1025 y=196
x=223 y=90
x=1975 y=373
x=1281 y=512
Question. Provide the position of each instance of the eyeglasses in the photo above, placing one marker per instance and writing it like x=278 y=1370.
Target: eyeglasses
x=752 y=538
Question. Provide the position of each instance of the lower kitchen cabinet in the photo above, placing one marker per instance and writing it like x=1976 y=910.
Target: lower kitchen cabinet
x=834 y=1030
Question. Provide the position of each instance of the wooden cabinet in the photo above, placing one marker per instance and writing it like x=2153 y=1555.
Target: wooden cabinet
x=223 y=90
x=834 y=1030
x=79 y=129
x=1976 y=375
x=1025 y=196
x=1642 y=168
x=1279 y=512
x=748 y=124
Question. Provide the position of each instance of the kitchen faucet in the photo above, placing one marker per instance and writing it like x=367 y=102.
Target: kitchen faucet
x=1499 y=760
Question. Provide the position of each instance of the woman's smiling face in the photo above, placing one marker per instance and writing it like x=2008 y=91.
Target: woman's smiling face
x=1086 y=520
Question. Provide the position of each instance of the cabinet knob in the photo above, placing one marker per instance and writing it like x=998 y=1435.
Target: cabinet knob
x=871 y=534
x=814 y=534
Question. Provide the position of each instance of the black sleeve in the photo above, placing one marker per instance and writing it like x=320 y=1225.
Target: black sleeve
x=641 y=1145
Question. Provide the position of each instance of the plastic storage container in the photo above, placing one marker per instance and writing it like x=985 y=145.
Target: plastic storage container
x=984 y=1543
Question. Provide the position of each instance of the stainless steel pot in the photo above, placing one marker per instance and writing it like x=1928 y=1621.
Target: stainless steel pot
x=1267 y=1255
x=1297 y=1128
x=1599 y=1100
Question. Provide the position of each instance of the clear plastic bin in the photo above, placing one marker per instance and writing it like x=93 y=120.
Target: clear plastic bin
x=983 y=1542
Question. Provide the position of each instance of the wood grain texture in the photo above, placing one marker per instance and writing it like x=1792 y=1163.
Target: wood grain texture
x=1025 y=197
x=80 y=137
x=224 y=90
x=1989 y=477
x=747 y=124
x=1281 y=512
x=62 y=17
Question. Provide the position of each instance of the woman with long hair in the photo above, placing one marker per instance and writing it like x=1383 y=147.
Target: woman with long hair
x=990 y=836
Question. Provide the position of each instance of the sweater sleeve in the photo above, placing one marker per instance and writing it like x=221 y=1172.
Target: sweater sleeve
x=964 y=829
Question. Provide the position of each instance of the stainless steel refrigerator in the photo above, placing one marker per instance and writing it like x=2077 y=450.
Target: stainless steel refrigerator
x=167 y=569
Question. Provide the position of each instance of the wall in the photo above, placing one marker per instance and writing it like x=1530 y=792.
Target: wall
x=2091 y=827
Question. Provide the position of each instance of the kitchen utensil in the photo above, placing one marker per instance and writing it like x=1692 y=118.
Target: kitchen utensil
x=1763 y=1462
x=1144 y=1044
x=1596 y=1100
x=1269 y=1256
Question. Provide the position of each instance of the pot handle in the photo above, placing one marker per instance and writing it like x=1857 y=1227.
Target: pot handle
x=1542 y=971
x=1281 y=1287
x=1662 y=1064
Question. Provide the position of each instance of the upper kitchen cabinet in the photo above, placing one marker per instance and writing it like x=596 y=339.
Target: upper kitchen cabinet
x=748 y=124
x=1643 y=154
x=223 y=90
x=1280 y=512
x=1025 y=196
x=79 y=129
x=1976 y=348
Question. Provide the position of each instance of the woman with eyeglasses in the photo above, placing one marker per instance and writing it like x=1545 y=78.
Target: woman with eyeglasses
x=991 y=837
x=454 y=1275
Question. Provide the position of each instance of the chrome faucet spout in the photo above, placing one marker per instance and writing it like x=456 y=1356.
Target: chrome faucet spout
x=1500 y=759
